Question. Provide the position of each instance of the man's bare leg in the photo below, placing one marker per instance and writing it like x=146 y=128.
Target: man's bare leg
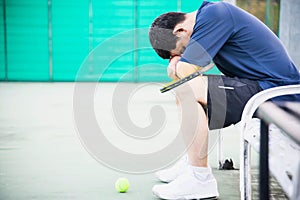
x=191 y=97
x=197 y=151
x=197 y=180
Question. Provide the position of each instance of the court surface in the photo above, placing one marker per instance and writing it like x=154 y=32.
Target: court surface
x=42 y=156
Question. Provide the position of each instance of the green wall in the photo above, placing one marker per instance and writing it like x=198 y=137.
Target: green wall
x=83 y=40
x=2 y=51
x=70 y=36
x=27 y=40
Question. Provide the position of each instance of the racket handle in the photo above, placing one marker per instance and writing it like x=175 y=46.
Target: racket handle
x=187 y=78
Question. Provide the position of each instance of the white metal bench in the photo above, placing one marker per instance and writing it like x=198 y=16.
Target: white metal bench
x=284 y=156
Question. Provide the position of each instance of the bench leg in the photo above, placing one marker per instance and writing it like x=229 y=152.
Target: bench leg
x=220 y=149
x=245 y=176
x=296 y=185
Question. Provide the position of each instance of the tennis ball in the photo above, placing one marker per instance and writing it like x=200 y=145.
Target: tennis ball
x=122 y=185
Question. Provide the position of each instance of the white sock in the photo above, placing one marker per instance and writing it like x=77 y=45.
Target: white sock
x=201 y=173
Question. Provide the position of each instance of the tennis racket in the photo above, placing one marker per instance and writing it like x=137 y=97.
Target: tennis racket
x=173 y=84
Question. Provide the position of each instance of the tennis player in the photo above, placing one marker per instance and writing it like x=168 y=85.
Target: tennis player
x=251 y=59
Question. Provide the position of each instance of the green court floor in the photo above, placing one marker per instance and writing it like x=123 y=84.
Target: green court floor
x=42 y=156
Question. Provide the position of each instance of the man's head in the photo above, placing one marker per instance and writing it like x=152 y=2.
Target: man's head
x=169 y=33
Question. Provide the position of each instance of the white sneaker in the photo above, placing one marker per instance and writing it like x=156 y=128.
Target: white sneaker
x=170 y=174
x=189 y=185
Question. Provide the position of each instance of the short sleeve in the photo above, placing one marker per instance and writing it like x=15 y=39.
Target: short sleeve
x=212 y=29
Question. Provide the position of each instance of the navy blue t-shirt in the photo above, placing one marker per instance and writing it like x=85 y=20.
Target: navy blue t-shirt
x=240 y=45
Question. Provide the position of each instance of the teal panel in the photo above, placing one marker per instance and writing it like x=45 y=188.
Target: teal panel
x=190 y=6
x=151 y=66
x=70 y=37
x=113 y=40
x=27 y=40
x=106 y=40
x=2 y=55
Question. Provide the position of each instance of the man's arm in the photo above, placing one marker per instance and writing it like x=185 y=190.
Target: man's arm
x=184 y=69
x=178 y=69
x=183 y=80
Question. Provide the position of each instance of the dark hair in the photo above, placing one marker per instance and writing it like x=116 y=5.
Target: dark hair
x=161 y=34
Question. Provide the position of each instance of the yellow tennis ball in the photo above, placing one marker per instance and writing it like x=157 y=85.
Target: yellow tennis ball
x=122 y=185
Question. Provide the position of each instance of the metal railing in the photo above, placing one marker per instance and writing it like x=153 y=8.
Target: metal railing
x=287 y=118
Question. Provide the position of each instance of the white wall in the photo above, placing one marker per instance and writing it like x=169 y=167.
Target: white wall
x=289 y=31
x=231 y=1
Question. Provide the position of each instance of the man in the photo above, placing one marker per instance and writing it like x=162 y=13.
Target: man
x=251 y=58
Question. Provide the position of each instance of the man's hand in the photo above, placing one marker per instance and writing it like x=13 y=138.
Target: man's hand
x=172 y=67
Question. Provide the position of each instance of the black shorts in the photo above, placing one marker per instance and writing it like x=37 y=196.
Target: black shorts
x=227 y=98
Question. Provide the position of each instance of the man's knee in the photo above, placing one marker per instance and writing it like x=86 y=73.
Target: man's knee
x=195 y=89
